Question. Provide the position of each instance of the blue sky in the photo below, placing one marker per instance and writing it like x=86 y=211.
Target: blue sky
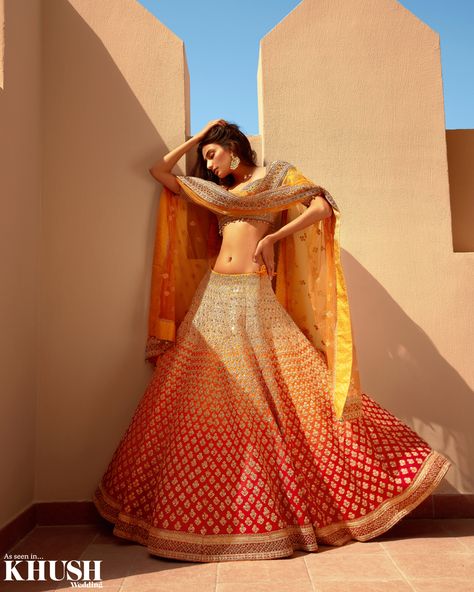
x=224 y=79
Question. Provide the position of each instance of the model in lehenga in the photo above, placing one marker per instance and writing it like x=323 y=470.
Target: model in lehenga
x=253 y=438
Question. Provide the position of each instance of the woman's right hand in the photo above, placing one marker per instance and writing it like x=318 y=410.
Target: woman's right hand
x=161 y=171
x=207 y=127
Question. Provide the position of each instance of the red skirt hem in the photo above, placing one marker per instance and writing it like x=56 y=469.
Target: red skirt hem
x=188 y=546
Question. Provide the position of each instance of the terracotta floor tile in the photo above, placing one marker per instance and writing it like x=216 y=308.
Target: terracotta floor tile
x=166 y=586
x=412 y=528
x=285 y=571
x=56 y=542
x=271 y=586
x=330 y=566
x=420 y=535
x=104 y=533
x=116 y=560
x=354 y=548
x=452 y=585
x=148 y=563
x=177 y=586
x=366 y=586
x=104 y=588
x=430 y=566
x=116 y=551
x=423 y=544
x=422 y=555
x=166 y=573
x=26 y=587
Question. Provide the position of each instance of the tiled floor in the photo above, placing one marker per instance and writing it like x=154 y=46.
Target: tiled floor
x=415 y=555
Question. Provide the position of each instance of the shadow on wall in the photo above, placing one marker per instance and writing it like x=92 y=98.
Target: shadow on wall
x=405 y=355
x=99 y=211
x=99 y=217
x=2 y=43
x=460 y=147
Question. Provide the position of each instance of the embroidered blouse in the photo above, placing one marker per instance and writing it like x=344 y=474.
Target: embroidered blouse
x=271 y=218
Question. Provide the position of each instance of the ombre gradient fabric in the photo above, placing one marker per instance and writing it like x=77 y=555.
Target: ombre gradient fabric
x=235 y=450
x=309 y=284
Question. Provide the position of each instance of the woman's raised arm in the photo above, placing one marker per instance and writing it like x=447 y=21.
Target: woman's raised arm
x=161 y=170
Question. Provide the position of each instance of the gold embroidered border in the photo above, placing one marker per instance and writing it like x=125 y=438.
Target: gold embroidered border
x=375 y=523
x=267 y=196
x=277 y=544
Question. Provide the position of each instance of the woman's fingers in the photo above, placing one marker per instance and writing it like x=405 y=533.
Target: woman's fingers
x=209 y=125
x=269 y=265
x=266 y=248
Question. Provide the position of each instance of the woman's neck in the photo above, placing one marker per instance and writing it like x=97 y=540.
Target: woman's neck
x=243 y=173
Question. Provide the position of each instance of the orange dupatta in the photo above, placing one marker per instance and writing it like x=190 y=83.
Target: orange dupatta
x=310 y=282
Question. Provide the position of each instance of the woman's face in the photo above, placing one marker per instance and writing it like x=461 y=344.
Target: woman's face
x=217 y=159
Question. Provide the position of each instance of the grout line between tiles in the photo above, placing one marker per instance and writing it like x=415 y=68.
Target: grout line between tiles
x=398 y=569
x=309 y=573
x=217 y=576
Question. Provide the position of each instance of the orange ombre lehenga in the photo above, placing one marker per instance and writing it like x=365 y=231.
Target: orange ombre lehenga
x=253 y=438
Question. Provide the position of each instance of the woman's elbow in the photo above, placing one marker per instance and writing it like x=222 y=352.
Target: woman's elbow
x=326 y=210
x=166 y=179
x=154 y=173
x=322 y=208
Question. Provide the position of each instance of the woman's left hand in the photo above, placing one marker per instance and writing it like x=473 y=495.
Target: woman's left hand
x=265 y=247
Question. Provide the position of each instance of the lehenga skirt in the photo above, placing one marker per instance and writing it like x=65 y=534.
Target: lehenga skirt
x=234 y=451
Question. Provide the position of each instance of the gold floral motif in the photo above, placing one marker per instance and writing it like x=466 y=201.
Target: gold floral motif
x=234 y=451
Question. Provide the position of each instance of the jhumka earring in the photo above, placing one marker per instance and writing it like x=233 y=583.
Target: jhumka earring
x=234 y=162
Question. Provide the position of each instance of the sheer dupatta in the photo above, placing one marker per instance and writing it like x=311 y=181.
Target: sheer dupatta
x=309 y=284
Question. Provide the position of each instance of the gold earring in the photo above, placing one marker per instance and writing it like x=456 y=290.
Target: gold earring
x=234 y=162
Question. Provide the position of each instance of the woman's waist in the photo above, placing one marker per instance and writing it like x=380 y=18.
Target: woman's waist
x=225 y=270
x=236 y=253
x=240 y=234
x=239 y=263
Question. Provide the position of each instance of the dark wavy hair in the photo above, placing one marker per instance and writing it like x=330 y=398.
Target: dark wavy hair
x=229 y=136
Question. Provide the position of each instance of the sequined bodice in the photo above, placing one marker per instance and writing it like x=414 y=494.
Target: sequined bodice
x=271 y=218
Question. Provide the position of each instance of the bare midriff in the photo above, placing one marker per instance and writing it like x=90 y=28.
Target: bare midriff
x=239 y=241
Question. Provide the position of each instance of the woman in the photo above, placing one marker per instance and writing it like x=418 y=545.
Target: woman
x=253 y=438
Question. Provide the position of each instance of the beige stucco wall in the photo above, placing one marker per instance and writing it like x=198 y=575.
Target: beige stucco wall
x=2 y=40
x=460 y=145
x=114 y=99
x=80 y=130
x=20 y=194
x=360 y=112
x=351 y=92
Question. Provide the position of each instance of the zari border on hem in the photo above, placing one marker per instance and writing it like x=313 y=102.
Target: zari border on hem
x=277 y=544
